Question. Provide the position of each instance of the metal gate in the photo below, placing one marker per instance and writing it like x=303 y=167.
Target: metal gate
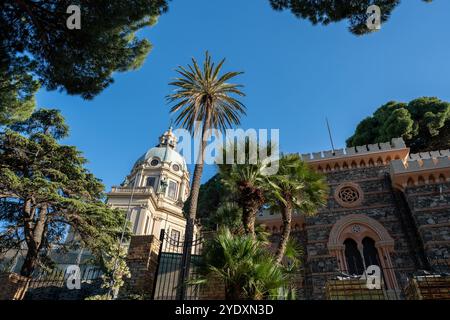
x=168 y=284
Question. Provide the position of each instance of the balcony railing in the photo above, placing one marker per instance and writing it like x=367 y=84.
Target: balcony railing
x=138 y=190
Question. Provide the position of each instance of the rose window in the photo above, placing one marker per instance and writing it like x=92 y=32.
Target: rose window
x=349 y=195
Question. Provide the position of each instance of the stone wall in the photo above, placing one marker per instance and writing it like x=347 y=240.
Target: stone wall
x=378 y=203
x=430 y=208
x=213 y=290
x=142 y=260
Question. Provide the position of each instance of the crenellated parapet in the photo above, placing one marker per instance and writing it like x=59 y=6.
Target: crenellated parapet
x=421 y=168
x=371 y=155
x=429 y=155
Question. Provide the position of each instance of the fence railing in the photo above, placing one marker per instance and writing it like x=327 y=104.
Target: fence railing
x=392 y=284
x=55 y=284
x=168 y=275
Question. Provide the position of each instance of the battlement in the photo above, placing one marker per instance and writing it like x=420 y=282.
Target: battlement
x=429 y=155
x=395 y=144
x=423 y=161
x=421 y=168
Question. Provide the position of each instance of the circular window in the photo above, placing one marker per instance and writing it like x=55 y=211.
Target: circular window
x=176 y=167
x=349 y=195
x=154 y=162
x=356 y=228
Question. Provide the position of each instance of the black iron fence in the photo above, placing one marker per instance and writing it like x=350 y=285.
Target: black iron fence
x=169 y=277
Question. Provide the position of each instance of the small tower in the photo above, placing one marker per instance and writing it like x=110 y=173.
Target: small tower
x=154 y=192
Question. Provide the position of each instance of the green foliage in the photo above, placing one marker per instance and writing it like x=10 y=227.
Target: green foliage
x=45 y=188
x=48 y=122
x=17 y=88
x=211 y=195
x=244 y=264
x=327 y=11
x=115 y=268
x=226 y=215
x=202 y=94
x=297 y=185
x=36 y=45
x=244 y=179
x=424 y=123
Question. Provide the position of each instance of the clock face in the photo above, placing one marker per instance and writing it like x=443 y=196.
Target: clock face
x=154 y=162
x=176 y=167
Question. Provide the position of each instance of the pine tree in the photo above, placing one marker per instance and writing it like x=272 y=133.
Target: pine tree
x=45 y=189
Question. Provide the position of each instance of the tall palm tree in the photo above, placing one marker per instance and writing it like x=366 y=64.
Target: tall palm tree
x=295 y=187
x=202 y=95
x=246 y=183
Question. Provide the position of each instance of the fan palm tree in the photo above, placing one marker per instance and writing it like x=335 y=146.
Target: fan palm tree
x=202 y=95
x=246 y=183
x=295 y=187
x=243 y=265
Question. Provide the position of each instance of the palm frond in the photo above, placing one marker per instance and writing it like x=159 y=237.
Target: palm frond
x=201 y=94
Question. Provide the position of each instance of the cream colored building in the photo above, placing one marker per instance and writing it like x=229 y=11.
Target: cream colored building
x=154 y=192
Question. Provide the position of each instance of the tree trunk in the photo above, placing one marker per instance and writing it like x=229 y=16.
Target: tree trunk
x=189 y=233
x=248 y=220
x=198 y=171
x=287 y=219
x=34 y=235
x=233 y=292
x=30 y=262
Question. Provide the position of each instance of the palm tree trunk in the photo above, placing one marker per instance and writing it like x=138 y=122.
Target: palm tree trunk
x=198 y=171
x=248 y=220
x=189 y=233
x=233 y=292
x=287 y=219
x=196 y=179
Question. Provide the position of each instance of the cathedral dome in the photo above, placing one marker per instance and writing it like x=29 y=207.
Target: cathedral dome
x=156 y=155
x=164 y=152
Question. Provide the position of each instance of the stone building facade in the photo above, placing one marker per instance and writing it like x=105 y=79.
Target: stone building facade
x=154 y=192
x=386 y=207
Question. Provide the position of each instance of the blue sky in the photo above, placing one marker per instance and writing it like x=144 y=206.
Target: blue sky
x=296 y=74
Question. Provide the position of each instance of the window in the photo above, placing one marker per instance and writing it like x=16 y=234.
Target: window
x=353 y=257
x=175 y=236
x=136 y=220
x=151 y=182
x=154 y=162
x=172 y=190
x=146 y=225
x=348 y=195
x=370 y=252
